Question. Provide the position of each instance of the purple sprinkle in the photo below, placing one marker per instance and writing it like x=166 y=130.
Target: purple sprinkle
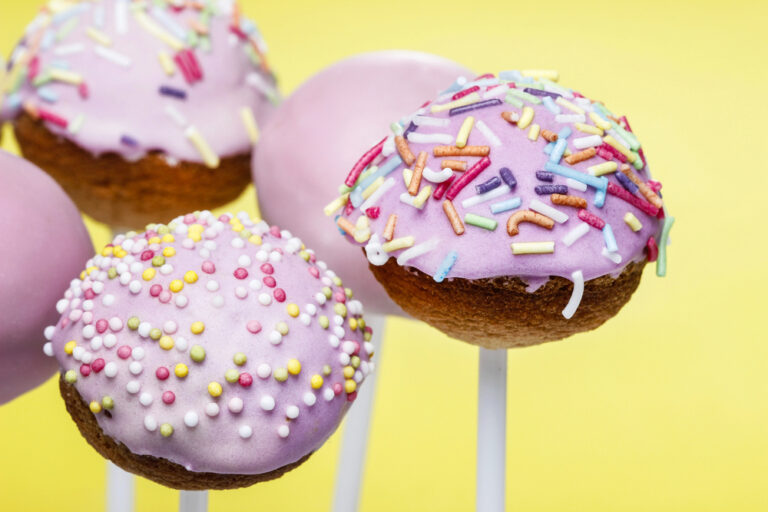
x=129 y=141
x=551 y=189
x=173 y=92
x=540 y=92
x=545 y=176
x=411 y=128
x=626 y=182
x=489 y=185
x=508 y=178
x=480 y=104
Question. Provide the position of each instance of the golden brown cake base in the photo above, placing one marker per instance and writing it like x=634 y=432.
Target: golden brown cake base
x=131 y=194
x=498 y=312
x=158 y=470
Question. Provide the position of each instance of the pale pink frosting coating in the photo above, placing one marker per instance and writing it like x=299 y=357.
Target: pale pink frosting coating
x=45 y=244
x=323 y=128
x=117 y=59
x=256 y=301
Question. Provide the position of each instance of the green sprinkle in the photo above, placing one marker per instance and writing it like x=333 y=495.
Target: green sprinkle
x=42 y=79
x=70 y=377
x=197 y=353
x=240 y=359
x=638 y=163
x=355 y=362
x=112 y=273
x=480 y=221
x=340 y=309
x=158 y=261
x=661 y=261
x=530 y=98
x=281 y=374
x=107 y=402
x=231 y=376
x=514 y=101
x=166 y=430
x=327 y=292
x=326 y=370
x=155 y=334
x=324 y=323
x=133 y=323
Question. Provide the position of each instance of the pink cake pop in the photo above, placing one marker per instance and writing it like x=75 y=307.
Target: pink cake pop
x=45 y=245
x=318 y=130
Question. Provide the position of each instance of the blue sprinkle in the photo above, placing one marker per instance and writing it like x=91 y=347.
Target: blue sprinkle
x=387 y=167
x=626 y=182
x=565 y=132
x=129 y=141
x=511 y=76
x=545 y=176
x=474 y=106
x=551 y=106
x=550 y=189
x=505 y=206
x=549 y=147
x=508 y=178
x=454 y=87
x=489 y=185
x=336 y=221
x=541 y=92
x=600 y=195
x=173 y=92
x=47 y=94
x=610 y=240
x=600 y=183
x=557 y=152
x=446 y=266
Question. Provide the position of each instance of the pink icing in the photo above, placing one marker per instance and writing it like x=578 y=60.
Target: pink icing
x=483 y=253
x=243 y=295
x=39 y=225
x=122 y=108
x=323 y=127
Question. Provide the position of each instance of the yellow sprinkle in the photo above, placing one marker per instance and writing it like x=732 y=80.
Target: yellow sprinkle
x=525 y=118
x=348 y=372
x=316 y=381
x=588 y=128
x=167 y=63
x=99 y=36
x=197 y=327
x=533 y=247
x=466 y=128
x=603 y=168
x=166 y=342
x=549 y=74
x=63 y=75
x=157 y=31
x=95 y=407
x=324 y=322
x=69 y=347
x=599 y=121
x=350 y=386
x=70 y=377
x=169 y=251
x=336 y=205
x=466 y=100
x=181 y=370
x=214 y=388
x=567 y=152
x=154 y=240
x=148 y=274
x=210 y=158
x=398 y=243
x=196 y=228
x=237 y=228
x=373 y=187
x=231 y=376
x=407 y=176
x=632 y=222
x=280 y=374
x=293 y=310
x=190 y=277
x=631 y=157
x=570 y=106
x=294 y=367
x=256 y=240
x=533 y=133
x=282 y=328
x=120 y=252
x=90 y=270
x=246 y=114
x=166 y=430
x=168 y=238
x=353 y=324
x=176 y=285
x=340 y=309
x=422 y=196
x=107 y=251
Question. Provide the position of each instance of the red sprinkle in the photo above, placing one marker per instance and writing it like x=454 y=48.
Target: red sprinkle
x=483 y=77
x=340 y=296
x=442 y=187
x=465 y=92
x=85 y=370
x=591 y=219
x=101 y=325
x=162 y=373
x=279 y=295
x=337 y=388
x=315 y=273
x=267 y=268
x=361 y=164
x=124 y=352
x=373 y=212
x=98 y=365
x=635 y=201
x=49 y=116
x=275 y=231
x=245 y=380
x=652 y=249
x=208 y=267
x=270 y=281
x=467 y=177
x=348 y=209
x=241 y=273
x=89 y=294
x=155 y=290
x=169 y=397
x=351 y=396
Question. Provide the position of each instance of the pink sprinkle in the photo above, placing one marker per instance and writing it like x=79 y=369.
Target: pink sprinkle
x=348 y=209
x=625 y=122
x=165 y=297
x=578 y=94
x=655 y=185
x=632 y=199
x=485 y=76
x=168 y=397
x=313 y=257
x=208 y=267
x=240 y=273
x=373 y=212
x=87 y=318
x=442 y=187
x=89 y=294
x=604 y=154
x=47 y=115
x=83 y=90
x=275 y=231
x=162 y=373
x=467 y=177
x=340 y=297
x=101 y=325
x=189 y=218
x=253 y=326
x=351 y=396
x=267 y=268
x=337 y=388
x=652 y=249
x=465 y=92
x=124 y=352
x=147 y=255
x=591 y=219
x=98 y=365
x=356 y=351
x=155 y=290
x=270 y=281
x=224 y=218
x=85 y=370
x=361 y=164
x=34 y=68
x=279 y=295
x=315 y=273
x=245 y=380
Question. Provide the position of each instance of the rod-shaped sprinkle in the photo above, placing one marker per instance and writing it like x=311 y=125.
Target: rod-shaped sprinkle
x=532 y=247
x=661 y=262
x=489 y=185
x=545 y=176
x=397 y=244
x=527 y=216
x=544 y=190
x=508 y=177
x=525 y=118
x=456 y=165
x=488 y=133
x=566 y=200
x=440 y=151
x=591 y=219
x=644 y=189
x=389 y=228
x=437 y=177
x=453 y=217
x=404 y=150
x=467 y=177
x=592 y=181
x=418 y=170
x=487 y=196
x=635 y=201
x=510 y=117
x=466 y=100
x=442 y=187
x=446 y=266
x=603 y=168
x=480 y=221
x=609 y=238
x=466 y=128
x=545 y=209
x=580 y=156
x=361 y=164
x=549 y=135
x=417 y=250
x=577 y=232
x=578 y=291
x=632 y=221
x=474 y=106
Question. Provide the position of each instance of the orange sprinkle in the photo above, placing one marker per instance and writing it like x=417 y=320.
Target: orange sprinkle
x=453 y=217
x=456 y=165
x=418 y=170
x=510 y=117
x=389 y=228
x=582 y=155
x=575 y=201
x=549 y=135
x=404 y=150
x=527 y=216
x=649 y=194
x=346 y=226
x=465 y=151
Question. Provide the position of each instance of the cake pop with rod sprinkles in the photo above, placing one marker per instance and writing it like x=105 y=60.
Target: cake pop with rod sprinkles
x=209 y=353
x=510 y=211
x=141 y=110
x=45 y=244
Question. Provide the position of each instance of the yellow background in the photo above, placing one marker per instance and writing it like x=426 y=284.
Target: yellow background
x=665 y=408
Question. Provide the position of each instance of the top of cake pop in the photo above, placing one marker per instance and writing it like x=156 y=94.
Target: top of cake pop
x=512 y=175
x=39 y=225
x=216 y=343
x=134 y=77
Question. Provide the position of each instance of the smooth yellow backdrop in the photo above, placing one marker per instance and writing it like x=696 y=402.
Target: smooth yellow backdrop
x=665 y=408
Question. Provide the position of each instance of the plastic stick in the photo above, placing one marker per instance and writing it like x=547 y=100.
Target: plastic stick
x=491 y=430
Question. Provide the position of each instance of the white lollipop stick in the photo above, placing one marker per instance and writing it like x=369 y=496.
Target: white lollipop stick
x=193 y=501
x=351 y=466
x=491 y=430
x=119 y=489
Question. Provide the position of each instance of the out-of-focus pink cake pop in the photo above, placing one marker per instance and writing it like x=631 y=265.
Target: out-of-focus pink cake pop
x=44 y=244
x=323 y=127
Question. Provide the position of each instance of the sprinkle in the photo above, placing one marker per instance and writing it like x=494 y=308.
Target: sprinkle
x=346 y=226
x=580 y=156
x=603 y=168
x=566 y=200
x=569 y=118
x=586 y=142
x=578 y=291
x=610 y=240
x=431 y=121
x=430 y=138
x=442 y=187
x=65 y=76
x=404 y=151
x=579 y=231
x=508 y=177
x=167 y=63
x=652 y=249
x=98 y=36
x=527 y=216
x=533 y=133
x=463 y=135
x=52 y=118
x=466 y=100
x=570 y=106
x=215 y=389
x=173 y=92
x=463 y=93
x=545 y=176
x=47 y=94
x=635 y=201
x=488 y=133
x=456 y=165
x=487 y=196
x=591 y=219
x=153 y=28
x=661 y=262
x=550 y=189
x=530 y=98
x=611 y=141
x=453 y=217
x=626 y=183
x=418 y=170
x=69 y=49
x=576 y=185
x=489 y=185
x=504 y=206
x=588 y=128
x=397 y=244
x=557 y=151
x=474 y=106
x=542 y=93
x=416 y=251
x=592 y=181
x=511 y=117
x=377 y=193
x=113 y=56
x=644 y=189
x=525 y=118
x=533 y=247
x=210 y=158
x=599 y=121
x=440 y=151
x=467 y=177
x=632 y=222
x=389 y=228
x=445 y=267
x=249 y=121
x=480 y=221
x=550 y=105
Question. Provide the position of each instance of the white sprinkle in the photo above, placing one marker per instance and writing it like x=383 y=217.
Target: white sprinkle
x=177 y=116
x=570 y=118
x=481 y=198
x=310 y=398
x=48 y=349
x=191 y=419
x=144 y=328
x=292 y=412
x=305 y=319
x=255 y=285
x=170 y=327
x=244 y=260
x=181 y=344
x=344 y=359
x=112 y=56
x=96 y=343
x=137 y=353
x=150 y=423
x=263 y=371
x=547 y=210
x=577 y=185
x=110 y=340
x=613 y=256
x=334 y=341
x=587 y=142
x=134 y=287
x=110 y=370
x=115 y=323
x=267 y=403
x=181 y=301
x=430 y=138
x=430 y=121
x=328 y=394
x=245 y=431
x=578 y=291
x=62 y=305
x=437 y=177
x=241 y=292
x=235 y=405
x=145 y=399
x=69 y=49
x=212 y=409
x=265 y=299
x=488 y=133
x=49 y=332
x=121 y=17
x=89 y=331
x=133 y=387
x=275 y=338
x=576 y=233
x=135 y=367
x=377 y=194
x=501 y=90
x=212 y=285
